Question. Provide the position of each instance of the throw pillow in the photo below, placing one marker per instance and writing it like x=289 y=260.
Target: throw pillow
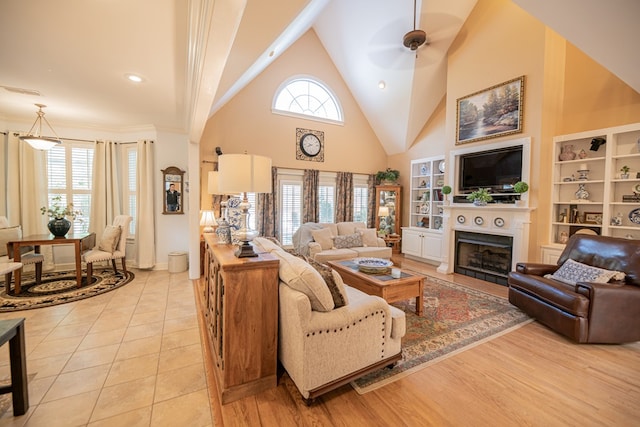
x=572 y=272
x=334 y=282
x=7 y=235
x=369 y=236
x=323 y=237
x=348 y=241
x=266 y=244
x=299 y=275
x=110 y=239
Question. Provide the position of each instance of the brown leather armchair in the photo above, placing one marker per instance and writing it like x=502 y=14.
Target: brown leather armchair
x=585 y=312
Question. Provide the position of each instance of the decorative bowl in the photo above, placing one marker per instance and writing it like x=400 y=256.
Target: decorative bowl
x=373 y=265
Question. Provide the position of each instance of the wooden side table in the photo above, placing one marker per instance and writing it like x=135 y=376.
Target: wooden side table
x=12 y=330
x=393 y=242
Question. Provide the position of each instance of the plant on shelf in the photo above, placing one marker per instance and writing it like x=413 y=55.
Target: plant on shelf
x=625 y=172
x=480 y=197
x=446 y=190
x=389 y=175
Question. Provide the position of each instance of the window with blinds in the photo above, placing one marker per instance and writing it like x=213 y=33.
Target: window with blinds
x=69 y=173
x=131 y=192
x=326 y=201
x=360 y=199
x=290 y=209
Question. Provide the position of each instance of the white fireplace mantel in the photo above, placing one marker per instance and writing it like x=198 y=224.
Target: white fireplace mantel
x=494 y=219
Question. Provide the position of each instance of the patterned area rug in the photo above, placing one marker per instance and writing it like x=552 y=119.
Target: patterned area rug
x=60 y=287
x=455 y=318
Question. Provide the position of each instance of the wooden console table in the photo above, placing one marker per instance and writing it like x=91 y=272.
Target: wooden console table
x=241 y=316
x=80 y=242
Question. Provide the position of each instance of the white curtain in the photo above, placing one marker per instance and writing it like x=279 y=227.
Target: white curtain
x=27 y=184
x=145 y=224
x=106 y=194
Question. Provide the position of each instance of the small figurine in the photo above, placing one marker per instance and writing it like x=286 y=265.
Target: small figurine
x=582 y=154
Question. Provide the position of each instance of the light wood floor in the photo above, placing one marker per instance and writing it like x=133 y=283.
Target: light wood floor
x=530 y=376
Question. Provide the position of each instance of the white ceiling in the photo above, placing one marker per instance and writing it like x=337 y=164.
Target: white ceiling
x=196 y=55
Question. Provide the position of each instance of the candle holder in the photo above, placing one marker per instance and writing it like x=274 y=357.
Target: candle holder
x=583 y=174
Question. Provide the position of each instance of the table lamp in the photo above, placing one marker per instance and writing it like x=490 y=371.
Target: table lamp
x=208 y=220
x=244 y=173
x=383 y=211
x=213 y=187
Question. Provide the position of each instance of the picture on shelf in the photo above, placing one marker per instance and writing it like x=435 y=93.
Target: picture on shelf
x=593 y=218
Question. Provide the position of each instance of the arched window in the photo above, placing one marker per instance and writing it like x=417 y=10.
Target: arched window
x=308 y=97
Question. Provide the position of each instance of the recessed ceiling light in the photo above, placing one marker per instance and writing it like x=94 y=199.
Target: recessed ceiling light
x=134 y=78
x=382 y=84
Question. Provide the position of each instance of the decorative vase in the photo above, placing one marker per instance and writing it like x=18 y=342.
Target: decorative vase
x=582 y=193
x=567 y=153
x=479 y=202
x=59 y=227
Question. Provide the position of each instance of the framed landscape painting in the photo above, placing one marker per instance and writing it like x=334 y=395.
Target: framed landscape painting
x=492 y=112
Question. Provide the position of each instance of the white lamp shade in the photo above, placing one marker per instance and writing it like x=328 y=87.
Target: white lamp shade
x=239 y=173
x=208 y=220
x=383 y=211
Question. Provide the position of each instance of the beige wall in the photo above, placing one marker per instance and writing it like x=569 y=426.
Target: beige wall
x=247 y=123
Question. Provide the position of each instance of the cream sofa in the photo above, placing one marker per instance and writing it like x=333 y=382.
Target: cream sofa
x=325 y=248
x=322 y=347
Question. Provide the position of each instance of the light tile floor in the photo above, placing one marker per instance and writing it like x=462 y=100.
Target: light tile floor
x=131 y=357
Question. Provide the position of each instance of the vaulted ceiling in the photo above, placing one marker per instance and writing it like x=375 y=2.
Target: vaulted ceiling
x=73 y=55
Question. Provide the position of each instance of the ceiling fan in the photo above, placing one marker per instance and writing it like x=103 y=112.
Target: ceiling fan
x=415 y=38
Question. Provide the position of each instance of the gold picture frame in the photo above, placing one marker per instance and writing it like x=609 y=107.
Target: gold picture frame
x=490 y=113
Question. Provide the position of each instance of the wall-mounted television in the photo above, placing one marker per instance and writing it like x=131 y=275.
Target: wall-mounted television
x=495 y=169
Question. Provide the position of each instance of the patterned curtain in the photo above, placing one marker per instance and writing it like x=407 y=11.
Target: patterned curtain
x=344 y=196
x=310 y=206
x=371 y=183
x=266 y=208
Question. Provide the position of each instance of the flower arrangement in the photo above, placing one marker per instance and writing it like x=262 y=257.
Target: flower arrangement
x=480 y=196
x=388 y=175
x=57 y=210
x=446 y=190
x=520 y=187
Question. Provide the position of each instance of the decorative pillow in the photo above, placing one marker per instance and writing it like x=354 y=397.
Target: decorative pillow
x=323 y=237
x=572 y=272
x=299 y=275
x=348 y=241
x=8 y=234
x=110 y=238
x=334 y=282
x=369 y=236
x=349 y=227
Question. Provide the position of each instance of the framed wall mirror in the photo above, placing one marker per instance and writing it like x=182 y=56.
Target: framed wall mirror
x=172 y=189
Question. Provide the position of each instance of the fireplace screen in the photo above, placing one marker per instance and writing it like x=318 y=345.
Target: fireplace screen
x=483 y=256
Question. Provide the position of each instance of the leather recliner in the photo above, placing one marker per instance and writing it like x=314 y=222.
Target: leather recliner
x=585 y=312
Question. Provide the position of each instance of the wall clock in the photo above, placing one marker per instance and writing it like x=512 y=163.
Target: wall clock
x=309 y=145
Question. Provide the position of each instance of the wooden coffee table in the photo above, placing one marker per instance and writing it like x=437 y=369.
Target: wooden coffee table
x=409 y=285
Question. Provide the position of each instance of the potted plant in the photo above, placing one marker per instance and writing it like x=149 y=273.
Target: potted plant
x=520 y=187
x=480 y=197
x=625 y=172
x=446 y=190
x=59 y=225
x=388 y=176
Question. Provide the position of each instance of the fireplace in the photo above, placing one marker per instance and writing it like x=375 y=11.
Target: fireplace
x=483 y=256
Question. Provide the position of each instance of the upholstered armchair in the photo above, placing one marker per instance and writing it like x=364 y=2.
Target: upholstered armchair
x=111 y=246
x=591 y=296
x=29 y=257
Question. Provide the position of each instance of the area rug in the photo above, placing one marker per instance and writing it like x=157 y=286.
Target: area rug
x=455 y=318
x=60 y=287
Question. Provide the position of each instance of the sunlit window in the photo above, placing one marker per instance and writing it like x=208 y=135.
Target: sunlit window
x=307 y=97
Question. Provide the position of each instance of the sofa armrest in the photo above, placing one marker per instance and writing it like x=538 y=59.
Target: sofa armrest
x=536 y=269
x=614 y=311
x=314 y=248
x=381 y=242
